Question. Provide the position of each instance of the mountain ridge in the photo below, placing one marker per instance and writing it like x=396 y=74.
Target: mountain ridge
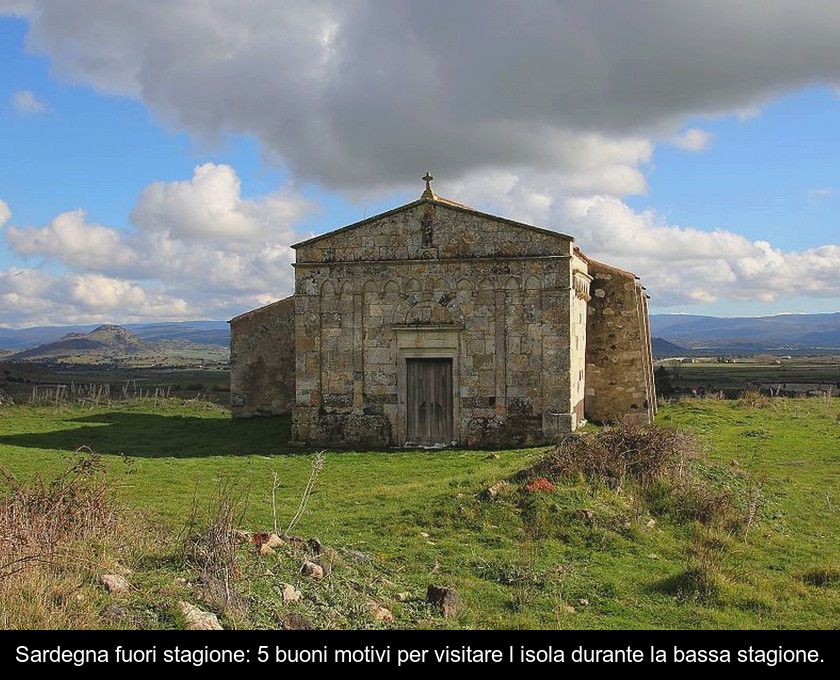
x=686 y=331
x=117 y=345
x=780 y=331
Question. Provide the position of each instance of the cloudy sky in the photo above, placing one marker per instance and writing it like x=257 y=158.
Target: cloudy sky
x=158 y=159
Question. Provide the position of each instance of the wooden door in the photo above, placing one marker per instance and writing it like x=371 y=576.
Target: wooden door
x=429 y=401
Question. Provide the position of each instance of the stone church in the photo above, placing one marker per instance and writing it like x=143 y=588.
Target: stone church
x=434 y=324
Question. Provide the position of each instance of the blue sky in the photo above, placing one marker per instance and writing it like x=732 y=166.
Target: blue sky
x=772 y=175
x=97 y=152
x=769 y=174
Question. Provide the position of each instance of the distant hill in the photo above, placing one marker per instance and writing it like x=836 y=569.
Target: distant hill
x=662 y=349
x=105 y=339
x=202 y=332
x=109 y=344
x=750 y=334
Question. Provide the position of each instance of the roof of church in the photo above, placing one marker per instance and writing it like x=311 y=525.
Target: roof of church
x=259 y=310
x=429 y=197
x=592 y=260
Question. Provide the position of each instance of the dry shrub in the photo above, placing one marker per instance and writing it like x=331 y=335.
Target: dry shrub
x=38 y=519
x=754 y=399
x=694 y=500
x=626 y=450
x=51 y=539
x=210 y=548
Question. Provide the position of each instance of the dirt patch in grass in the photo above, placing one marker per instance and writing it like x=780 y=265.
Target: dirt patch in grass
x=822 y=577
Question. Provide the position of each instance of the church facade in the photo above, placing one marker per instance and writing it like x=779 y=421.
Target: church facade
x=434 y=324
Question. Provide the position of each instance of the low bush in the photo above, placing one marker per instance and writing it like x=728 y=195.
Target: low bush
x=754 y=399
x=626 y=450
x=211 y=550
x=53 y=536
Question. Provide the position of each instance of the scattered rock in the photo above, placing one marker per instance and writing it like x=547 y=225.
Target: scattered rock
x=259 y=538
x=290 y=593
x=651 y=523
x=198 y=619
x=539 y=484
x=265 y=549
x=569 y=609
x=653 y=556
x=380 y=613
x=403 y=597
x=243 y=536
x=115 y=584
x=315 y=546
x=734 y=463
x=494 y=490
x=445 y=599
x=274 y=541
x=583 y=602
x=312 y=570
x=492 y=456
x=424 y=534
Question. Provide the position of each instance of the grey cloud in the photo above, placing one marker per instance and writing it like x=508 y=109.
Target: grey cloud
x=362 y=93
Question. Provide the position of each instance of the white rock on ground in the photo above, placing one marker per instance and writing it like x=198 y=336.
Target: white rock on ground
x=115 y=584
x=274 y=541
x=312 y=569
x=290 y=593
x=380 y=613
x=198 y=619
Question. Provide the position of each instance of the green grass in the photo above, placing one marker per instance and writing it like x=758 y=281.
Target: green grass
x=520 y=560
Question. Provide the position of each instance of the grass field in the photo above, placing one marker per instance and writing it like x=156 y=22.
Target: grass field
x=577 y=557
x=734 y=378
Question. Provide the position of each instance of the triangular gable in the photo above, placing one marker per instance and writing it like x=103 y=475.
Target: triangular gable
x=432 y=228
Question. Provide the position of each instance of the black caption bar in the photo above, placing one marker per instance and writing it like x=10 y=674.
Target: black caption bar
x=89 y=651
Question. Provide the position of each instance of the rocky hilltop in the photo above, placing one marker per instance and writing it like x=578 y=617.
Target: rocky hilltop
x=112 y=344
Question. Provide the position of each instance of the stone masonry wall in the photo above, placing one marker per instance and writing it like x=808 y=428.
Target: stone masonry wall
x=619 y=376
x=262 y=360
x=503 y=316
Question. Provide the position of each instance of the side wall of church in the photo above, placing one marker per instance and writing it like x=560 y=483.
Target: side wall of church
x=619 y=366
x=262 y=360
x=579 y=300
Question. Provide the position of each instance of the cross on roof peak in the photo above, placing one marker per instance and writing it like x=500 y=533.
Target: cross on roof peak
x=427 y=178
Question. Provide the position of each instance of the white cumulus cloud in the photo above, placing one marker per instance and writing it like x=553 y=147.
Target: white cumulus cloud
x=692 y=139
x=69 y=238
x=197 y=249
x=26 y=103
x=549 y=115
